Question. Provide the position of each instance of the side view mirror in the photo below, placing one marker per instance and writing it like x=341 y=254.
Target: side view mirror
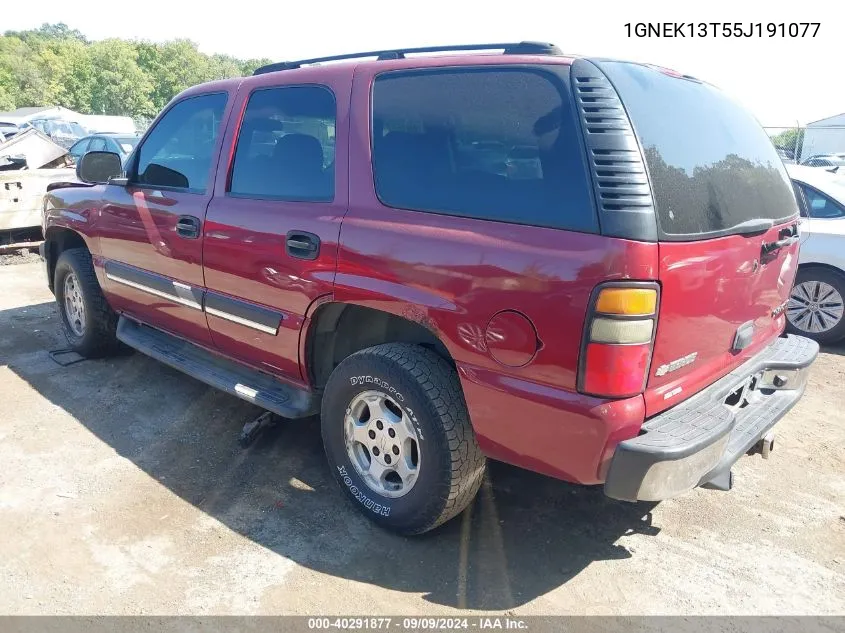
x=99 y=168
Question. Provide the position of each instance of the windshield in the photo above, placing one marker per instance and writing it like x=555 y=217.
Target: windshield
x=711 y=165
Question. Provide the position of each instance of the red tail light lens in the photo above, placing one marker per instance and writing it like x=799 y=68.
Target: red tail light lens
x=615 y=370
x=618 y=340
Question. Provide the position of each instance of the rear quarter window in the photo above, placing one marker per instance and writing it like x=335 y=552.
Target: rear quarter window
x=495 y=143
x=710 y=163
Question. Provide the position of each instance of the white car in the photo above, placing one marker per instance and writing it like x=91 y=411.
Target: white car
x=825 y=160
x=817 y=304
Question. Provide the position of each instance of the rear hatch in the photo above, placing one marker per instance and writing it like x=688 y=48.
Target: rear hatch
x=727 y=228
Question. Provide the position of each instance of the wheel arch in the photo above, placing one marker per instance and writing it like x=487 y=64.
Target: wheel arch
x=824 y=266
x=58 y=239
x=337 y=330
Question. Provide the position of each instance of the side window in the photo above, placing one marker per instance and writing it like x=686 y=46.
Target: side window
x=79 y=148
x=178 y=152
x=286 y=145
x=487 y=142
x=821 y=206
x=98 y=144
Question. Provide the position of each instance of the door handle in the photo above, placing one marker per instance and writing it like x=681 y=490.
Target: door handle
x=771 y=247
x=302 y=245
x=188 y=227
x=786 y=237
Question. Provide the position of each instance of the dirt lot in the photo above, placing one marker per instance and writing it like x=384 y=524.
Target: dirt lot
x=123 y=490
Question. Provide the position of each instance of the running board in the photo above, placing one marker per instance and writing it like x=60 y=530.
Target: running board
x=238 y=380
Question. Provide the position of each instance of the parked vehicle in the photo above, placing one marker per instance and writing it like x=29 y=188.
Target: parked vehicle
x=8 y=129
x=825 y=160
x=120 y=144
x=29 y=163
x=322 y=238
x=61 y=132
x=817 y=303
x=786 y=155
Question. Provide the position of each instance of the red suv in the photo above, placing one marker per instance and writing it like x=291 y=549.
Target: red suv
x=577 y=266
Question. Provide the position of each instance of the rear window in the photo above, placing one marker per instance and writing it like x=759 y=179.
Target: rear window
x=711 y=165
x=492 y=143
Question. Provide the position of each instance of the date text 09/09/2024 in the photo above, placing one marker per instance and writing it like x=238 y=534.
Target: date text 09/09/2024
x=417 y=623
x=722 y=29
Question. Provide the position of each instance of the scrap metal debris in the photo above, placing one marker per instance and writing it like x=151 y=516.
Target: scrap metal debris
x=29 y=161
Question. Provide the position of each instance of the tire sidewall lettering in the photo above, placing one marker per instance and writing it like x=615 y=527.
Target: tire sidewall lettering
x=378 y=382
x=375 y=381
x=377 y=508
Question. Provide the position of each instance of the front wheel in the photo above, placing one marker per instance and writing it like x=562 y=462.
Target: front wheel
x=87 y=320
x=398 y=437
x=816 y=307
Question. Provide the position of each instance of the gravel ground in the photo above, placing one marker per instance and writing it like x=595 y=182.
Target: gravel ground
x=123 y=491
x=20 y=256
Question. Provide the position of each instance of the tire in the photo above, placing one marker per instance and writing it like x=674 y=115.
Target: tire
x=90 y=332
x=797 y=316
x=421 y=390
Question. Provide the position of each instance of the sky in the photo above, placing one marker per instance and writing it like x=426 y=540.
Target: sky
x=783 y=81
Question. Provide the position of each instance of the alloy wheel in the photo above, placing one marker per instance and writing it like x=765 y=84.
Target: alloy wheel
x=815 y=307
x=382 y=444
x=74 y=305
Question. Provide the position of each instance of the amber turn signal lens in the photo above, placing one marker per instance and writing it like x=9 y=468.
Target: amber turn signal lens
x=628 y=301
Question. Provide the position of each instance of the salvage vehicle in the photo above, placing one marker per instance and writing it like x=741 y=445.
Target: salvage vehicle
x=62 y=132
x=29 y=162
x=320 y=238
x=817 y=303
x=8 y=129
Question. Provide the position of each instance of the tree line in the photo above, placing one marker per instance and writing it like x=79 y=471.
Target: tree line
x=791 y=139
x=56 y=65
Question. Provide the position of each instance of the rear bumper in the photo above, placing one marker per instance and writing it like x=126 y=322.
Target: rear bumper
x=699 y=440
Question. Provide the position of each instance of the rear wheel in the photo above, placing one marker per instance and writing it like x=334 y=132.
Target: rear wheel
x=87 y=320
x=398 y=437
x=816 y=307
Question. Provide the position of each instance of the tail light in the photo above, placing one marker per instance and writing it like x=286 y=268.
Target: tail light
x=618 y=339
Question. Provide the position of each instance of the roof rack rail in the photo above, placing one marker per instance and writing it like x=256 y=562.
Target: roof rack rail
x=510 y=48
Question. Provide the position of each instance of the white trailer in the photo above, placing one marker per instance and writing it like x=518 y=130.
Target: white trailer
x=826 y=136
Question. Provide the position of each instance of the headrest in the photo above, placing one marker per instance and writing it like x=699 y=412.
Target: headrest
x=299 y=148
